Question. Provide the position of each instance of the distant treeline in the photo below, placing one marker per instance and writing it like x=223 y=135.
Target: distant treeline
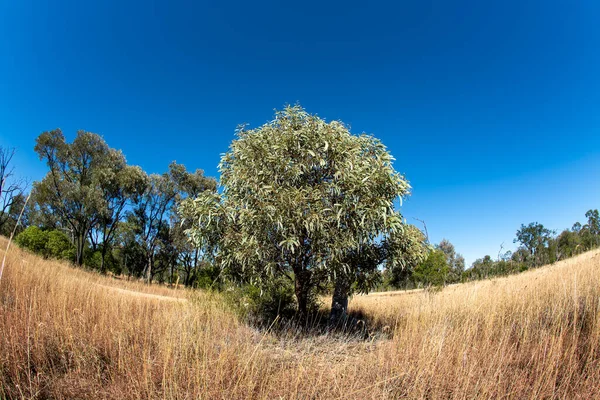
x=540 y=246
x=537 y=246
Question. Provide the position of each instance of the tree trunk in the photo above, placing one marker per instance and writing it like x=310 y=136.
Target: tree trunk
x=188 y=273
x=171 y=280
x=302 y=288
x=149 y=271
x=339 y=301
x=79 y=250
x=102 y=257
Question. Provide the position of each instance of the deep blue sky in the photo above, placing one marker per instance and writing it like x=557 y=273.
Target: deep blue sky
x=492 y=109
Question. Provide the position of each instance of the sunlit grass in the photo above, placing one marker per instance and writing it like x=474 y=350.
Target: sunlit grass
x=67 y=333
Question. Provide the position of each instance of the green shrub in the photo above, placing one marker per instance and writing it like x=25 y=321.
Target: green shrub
x=207 y=277
x=93 y=259
x=33 y=239
x=55 y=244
x=59 y=246
x=261 y=306
x=433 y=271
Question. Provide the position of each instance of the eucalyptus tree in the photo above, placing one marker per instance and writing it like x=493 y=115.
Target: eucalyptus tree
x=148 y=215
x=70 y=190
x=190 y=185
x=302 y=198
x=535 y=238
x=130 y=252
x=155 y=205
x=10 y=217
x=120 y=185
x=591 y=230
x=433 y=270
x=455 y=261
x=405 y=249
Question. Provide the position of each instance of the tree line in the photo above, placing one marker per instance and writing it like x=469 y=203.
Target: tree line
x=304 y=207
x=539 y=246
x=94 y=209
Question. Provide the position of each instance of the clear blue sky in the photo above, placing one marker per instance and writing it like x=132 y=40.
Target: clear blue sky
x=492 y=109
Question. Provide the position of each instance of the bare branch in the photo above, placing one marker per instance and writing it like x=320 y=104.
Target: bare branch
x=424 y=227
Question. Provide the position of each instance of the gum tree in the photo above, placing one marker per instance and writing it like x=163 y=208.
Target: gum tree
x=153 y=207
x=306 y=199
x=70 y=190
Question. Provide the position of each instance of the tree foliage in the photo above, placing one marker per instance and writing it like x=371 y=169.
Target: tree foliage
x=71 y=190
x=434 y=270
x=534 y=237
x=155 y=205
x=454 y=260
x=54 y=244
x=302 y=198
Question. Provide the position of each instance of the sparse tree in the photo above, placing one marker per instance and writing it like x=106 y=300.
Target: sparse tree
x=12 y=191
x=591 y=231
x=120 y=185
x=19 y=204
x=148 y=215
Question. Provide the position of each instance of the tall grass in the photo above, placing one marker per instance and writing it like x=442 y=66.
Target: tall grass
x=66 y=333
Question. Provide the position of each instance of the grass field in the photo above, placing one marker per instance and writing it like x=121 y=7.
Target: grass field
x=67 y=333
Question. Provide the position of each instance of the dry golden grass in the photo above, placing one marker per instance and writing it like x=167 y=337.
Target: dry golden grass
x=66 y=333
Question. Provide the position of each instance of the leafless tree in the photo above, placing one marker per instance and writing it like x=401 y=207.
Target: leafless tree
x=11 y=189
x=424 y=227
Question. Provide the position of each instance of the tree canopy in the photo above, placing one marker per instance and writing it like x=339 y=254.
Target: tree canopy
x=302 y=198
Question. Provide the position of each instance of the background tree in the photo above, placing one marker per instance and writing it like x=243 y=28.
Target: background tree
x=131 y=252
x=569 y=243
x=590 y=232
x=190 y=185
x=12 y=192
x=534 y=237
x=455 y=261
x=148 y=215
x=302 y=198
x=12 y=216
x=119 y=186
x=71 y=189
x=154 y=207
x=433 y=270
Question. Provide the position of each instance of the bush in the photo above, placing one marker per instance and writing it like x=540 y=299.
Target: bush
x=261 y=306
x=46 y=243
x=433 y=271
x=206 y=277
x=93 y=260
x=33 y=239
x=58 y=245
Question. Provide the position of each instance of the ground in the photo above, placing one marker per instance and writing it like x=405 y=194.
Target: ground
x=68 y=333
